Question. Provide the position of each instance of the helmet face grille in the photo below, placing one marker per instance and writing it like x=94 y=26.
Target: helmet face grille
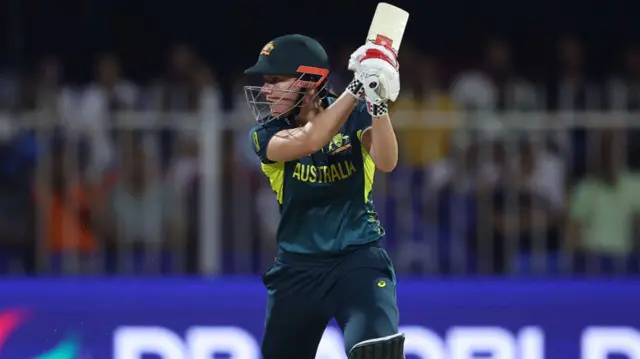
x=263 y=108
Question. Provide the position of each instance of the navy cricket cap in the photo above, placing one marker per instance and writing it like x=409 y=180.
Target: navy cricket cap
x=284 y=56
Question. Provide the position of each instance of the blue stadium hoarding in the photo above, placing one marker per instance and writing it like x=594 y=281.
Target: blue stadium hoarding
x=203 y=319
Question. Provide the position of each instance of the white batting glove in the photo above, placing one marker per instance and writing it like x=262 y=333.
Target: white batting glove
x=376 y=108
x=356 y=87
x=378 y=68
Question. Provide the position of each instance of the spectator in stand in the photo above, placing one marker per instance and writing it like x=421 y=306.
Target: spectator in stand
x=423 y=127
x=570 y=88
x=453 y=187
x=183 y=157
x=185 y=167
x=423 y=113
x=110 y=91
x=570 y=92
x=175 y=90
x=489 y=91
x=605 y=209
x=187 y=85
x=144 y=215
x=624 y=95
x=66 y=204
x=622 y=90
x=109 y=94
x=496 y=85
x=528 y=206
x=241 y=186
x=45 y=92
x=539 y=171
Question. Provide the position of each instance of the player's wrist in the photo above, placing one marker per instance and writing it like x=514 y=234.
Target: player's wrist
x=377 y=109
x=356 y=88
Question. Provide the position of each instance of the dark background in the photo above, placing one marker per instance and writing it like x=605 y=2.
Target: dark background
x=229 y=33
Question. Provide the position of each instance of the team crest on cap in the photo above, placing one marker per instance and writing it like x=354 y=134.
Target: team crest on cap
x=266 y=50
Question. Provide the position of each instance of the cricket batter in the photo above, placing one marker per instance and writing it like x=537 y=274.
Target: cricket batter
x=320 y=152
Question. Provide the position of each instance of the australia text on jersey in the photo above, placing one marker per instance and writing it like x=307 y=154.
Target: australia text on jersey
x=331 y=173
x=324 y=174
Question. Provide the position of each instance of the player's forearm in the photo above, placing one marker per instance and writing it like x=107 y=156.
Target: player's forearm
x=384 y=145
x=327 y=123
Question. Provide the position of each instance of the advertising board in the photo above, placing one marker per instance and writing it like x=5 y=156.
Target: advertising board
x=223 y=318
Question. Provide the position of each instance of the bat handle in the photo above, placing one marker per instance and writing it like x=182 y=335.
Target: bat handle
x=374 y=85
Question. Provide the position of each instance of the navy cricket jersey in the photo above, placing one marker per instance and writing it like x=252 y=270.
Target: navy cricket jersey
x=325 y=198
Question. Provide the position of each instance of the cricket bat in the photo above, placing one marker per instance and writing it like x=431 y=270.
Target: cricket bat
x=388 y=25
x=387 y=29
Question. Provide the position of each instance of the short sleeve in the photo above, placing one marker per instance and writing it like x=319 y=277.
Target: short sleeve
x=360 y=119
x=259 y=138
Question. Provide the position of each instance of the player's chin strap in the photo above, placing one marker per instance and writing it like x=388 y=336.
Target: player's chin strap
x=390 y=347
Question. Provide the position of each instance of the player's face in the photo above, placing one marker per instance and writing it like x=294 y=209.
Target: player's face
x=277 y=96
x=280 y=93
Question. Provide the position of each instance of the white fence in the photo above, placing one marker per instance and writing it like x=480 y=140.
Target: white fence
x=474 y=193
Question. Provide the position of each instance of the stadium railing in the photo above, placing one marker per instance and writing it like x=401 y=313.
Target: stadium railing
x=474 y=194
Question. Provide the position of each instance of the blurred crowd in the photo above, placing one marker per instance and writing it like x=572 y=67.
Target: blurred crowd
x=502 y=170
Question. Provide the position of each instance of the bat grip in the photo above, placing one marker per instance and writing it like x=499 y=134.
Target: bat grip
x=374 y=85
